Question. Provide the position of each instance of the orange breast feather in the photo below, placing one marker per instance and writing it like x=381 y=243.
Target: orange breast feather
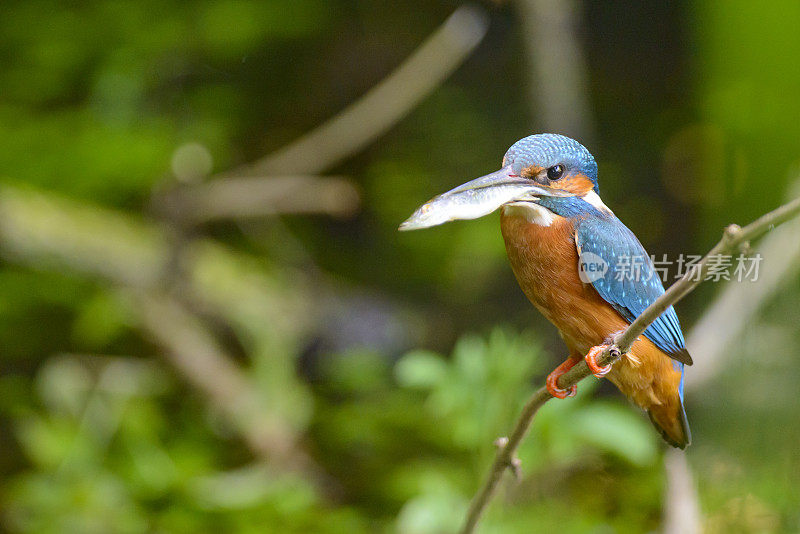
x=545 y=261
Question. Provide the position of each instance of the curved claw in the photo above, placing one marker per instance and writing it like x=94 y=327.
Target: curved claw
x=591 y=361
x=552 y=381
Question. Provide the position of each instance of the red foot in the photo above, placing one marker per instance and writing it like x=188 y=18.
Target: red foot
x=552 y=381
x=591 y=361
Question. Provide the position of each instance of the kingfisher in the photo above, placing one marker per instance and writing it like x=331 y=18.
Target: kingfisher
x=581 y=267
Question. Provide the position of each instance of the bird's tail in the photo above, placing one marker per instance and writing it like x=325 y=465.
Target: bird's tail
x=670 y=420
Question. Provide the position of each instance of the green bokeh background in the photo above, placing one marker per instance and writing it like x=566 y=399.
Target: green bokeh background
x=392 y=360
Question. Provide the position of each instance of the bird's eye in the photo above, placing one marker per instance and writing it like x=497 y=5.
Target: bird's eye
x=555 y=172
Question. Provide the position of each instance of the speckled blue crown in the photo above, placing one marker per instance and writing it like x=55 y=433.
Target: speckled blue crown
x=546 y=150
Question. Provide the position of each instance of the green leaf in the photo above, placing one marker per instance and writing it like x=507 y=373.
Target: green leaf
x=420 y=369
x=618 y=430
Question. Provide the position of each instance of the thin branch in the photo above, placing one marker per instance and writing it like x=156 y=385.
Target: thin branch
x=326 y=145
x=384 y=104
x=45 y=231
x=259 y=196
x=737 y=304
x=733 y=238
x=722 y=322
x=196 y=354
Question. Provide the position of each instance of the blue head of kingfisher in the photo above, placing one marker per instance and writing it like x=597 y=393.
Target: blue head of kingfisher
x=581 y=267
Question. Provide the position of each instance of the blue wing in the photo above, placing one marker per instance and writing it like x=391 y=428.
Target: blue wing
x=607 y=241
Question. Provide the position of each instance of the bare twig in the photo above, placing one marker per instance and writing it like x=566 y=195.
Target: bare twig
x=248 y=190
x=737 y=304
x=384 y=104
x=203 y=362
x=259 y=196
x=49 y=231
x=722 y=322
x=44 y=230
x=733 y=238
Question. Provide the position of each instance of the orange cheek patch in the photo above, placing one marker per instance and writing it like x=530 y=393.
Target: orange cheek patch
x=577 y=184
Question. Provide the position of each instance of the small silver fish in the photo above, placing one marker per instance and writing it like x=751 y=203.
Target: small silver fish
x=476 y=198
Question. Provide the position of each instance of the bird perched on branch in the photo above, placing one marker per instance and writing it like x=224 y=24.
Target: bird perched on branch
x=581 y=267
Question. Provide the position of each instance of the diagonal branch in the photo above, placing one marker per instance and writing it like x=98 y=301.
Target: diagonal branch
x=202 y=361
x=384 y=104
x=737 y=304
x=733 y=239
x=261 y=187
x=732 y=310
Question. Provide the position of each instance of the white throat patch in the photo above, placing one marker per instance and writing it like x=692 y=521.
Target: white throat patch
x=594 y=199
x=537 y=214
x=531 y=212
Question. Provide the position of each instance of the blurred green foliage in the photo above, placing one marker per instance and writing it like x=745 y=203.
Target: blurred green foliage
x=355 y=338
x=107 y=449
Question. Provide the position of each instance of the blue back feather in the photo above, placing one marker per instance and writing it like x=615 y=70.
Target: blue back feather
x=628 y=293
